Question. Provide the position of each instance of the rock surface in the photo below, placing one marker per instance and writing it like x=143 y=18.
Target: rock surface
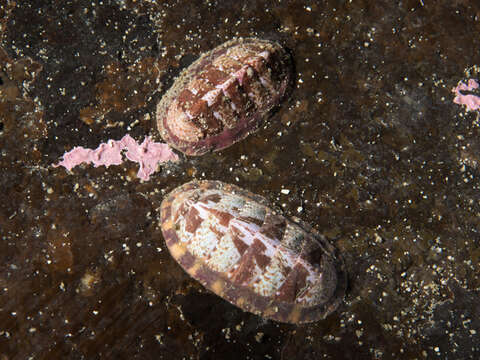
x=369 y=148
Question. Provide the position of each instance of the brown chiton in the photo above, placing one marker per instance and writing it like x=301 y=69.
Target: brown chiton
x=237 y=246
x=224 y=96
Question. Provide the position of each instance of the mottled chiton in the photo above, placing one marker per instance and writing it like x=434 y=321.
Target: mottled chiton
x=237 y=246
x=224 y=96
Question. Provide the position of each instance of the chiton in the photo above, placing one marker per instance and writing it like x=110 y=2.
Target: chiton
x=224 y=96
x=240 y=248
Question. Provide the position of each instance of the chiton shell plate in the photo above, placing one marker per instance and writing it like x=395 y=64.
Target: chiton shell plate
x=237 y=246
x=224 y=96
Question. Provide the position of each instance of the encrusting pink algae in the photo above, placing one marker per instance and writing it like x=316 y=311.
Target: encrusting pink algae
x=471 y=101
x=148 y=154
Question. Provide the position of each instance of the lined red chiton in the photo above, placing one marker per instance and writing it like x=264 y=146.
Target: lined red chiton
x=224 y=95
x=237 y=246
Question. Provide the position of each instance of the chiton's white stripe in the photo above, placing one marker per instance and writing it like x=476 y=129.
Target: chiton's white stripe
x=247 y=230
x=240 y=74
x=224 y=86
x=270 y=244
x=217 y=115
x=265 y=83
x=265 y=55
x=211 y=96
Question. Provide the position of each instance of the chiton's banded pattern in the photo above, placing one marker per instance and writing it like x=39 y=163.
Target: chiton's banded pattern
x=224 y=95
x=236 y=245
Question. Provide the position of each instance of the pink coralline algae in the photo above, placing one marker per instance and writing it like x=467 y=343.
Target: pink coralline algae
x=148 y=154
x=471 y=101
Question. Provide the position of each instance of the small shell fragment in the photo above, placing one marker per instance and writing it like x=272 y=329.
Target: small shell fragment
x=224 y=96
x=237 y=246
